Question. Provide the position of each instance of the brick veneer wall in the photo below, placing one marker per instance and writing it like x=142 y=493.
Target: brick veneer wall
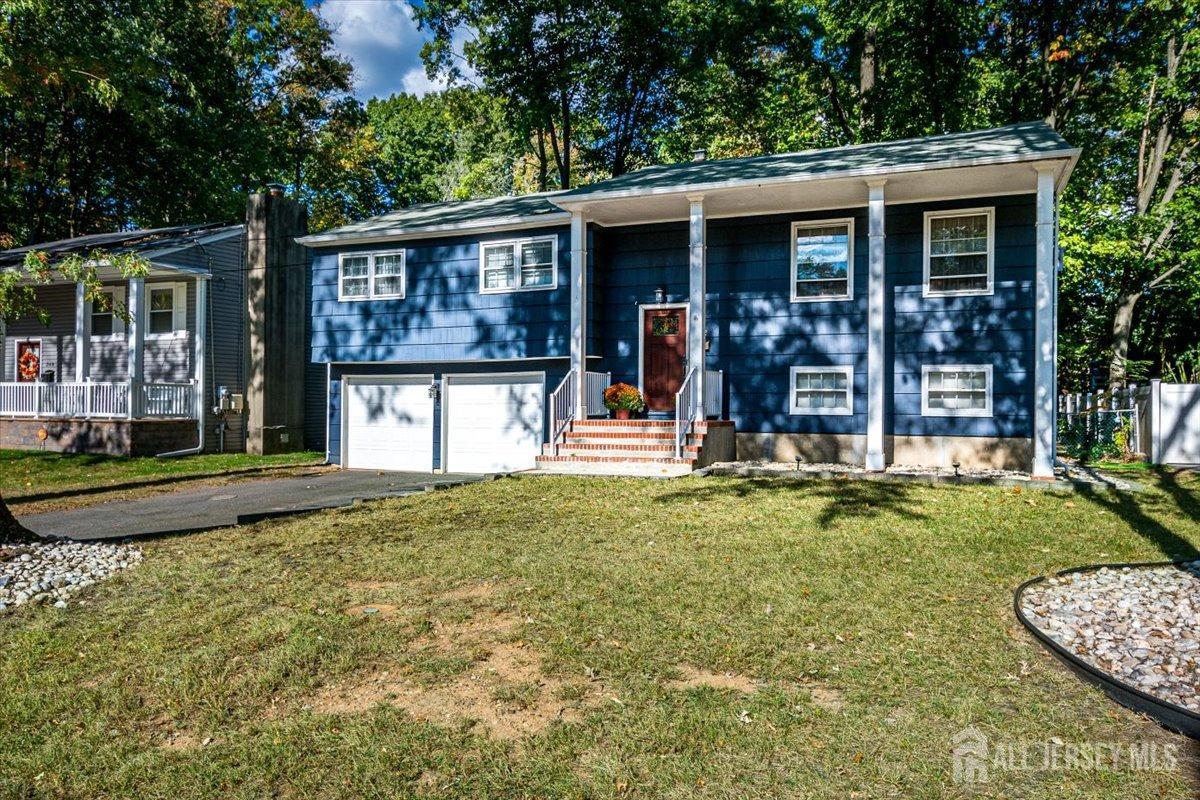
x=141 y=437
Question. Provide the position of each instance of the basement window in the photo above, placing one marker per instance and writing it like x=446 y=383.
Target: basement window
x=518 y=265
x=822 y=390
x=959 y=252
x=371 y=276
x=956 y=390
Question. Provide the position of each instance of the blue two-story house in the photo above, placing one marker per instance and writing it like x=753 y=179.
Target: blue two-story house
x=878 y=304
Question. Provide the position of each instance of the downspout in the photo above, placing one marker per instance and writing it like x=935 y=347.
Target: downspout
x=202 y=311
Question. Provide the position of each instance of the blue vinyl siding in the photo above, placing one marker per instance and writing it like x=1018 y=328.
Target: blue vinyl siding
x=554 y=370
x=994 y=329
x=443 y=315
x=756 y=333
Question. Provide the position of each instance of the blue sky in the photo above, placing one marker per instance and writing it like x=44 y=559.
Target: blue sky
x=382 y=41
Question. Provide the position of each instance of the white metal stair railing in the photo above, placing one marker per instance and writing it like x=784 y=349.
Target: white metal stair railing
x=597 y=382
x=562 y=407
x=714 y=392
x=687 y=402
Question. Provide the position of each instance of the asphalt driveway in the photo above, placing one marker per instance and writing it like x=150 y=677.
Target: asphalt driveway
x=233 y=504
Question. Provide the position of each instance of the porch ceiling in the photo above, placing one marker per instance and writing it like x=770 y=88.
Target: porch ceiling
x=815 y=193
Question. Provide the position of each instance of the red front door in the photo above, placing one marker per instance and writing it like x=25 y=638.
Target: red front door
x=664 y=352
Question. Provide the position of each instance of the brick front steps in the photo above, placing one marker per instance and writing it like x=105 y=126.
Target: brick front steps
x=644 y=447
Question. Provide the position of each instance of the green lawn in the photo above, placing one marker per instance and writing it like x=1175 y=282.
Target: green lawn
x=701 y=637
x=29 y=475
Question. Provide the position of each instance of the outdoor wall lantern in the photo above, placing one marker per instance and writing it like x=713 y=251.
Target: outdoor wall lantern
x=660 y=295
x=434 y=390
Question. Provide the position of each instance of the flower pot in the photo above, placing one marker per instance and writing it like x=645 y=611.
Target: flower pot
x=621 y=413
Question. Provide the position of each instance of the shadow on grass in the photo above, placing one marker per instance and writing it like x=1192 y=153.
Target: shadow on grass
x=1187 y=499
x=845 y=499
x=1137 y=509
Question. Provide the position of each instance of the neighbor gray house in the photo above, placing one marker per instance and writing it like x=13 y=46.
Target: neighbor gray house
x=200 y=359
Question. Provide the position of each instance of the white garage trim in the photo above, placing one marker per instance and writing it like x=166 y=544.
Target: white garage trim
x=348 y=381
x=447 y=387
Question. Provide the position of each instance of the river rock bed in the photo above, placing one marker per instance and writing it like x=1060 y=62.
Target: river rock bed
x=51 y=572
x=1137 y=624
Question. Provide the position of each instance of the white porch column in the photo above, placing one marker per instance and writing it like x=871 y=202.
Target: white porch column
x=83 y=334
x=697 y=286
x=876 y=297
x=198 y=363
x=1043 y=327
x=579 y=305
x=135 y=341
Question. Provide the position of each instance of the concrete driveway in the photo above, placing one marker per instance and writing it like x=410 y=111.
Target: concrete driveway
x=233 y=504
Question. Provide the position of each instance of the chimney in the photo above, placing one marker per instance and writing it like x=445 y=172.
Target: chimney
x=699 y=154
x=277 y=350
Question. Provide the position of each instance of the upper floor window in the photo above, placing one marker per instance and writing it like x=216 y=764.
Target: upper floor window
x=105 y=321
x=822 y=390
x=822 y=260
x=168 y=312
x=366 y=276
x=958 y=252
x=956 y=390
x=516 y=265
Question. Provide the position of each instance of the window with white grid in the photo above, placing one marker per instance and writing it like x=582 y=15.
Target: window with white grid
x=367 y=276
x=822 y=390
x=956 y=390
x=959 y=252
x=518 y=265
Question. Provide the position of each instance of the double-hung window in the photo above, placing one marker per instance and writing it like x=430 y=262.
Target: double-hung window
x=822 y=260
x=104 y=317
x=367 y=276
x=167 y=309
x=959 y=252
x=956 y=390
x=518 y=265
x=822 y=390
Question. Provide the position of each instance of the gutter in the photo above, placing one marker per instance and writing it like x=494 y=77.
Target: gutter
x=494 y=225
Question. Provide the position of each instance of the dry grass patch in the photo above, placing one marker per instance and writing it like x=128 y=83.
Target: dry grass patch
x=505 y=689
x=695 y=678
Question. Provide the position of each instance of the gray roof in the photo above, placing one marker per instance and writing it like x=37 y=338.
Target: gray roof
x=1026 y=140
x=147 y=241
x=432 y=218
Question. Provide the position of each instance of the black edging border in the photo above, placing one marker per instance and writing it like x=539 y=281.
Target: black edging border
x=1169 y=715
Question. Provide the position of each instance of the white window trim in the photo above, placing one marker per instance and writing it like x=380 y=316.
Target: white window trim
x=516 y=245
x=178 y=310
x=848 y=371
x=118 y=326
x=990 y=212
x=926 y=411
x=822 y=223
x=370 y=276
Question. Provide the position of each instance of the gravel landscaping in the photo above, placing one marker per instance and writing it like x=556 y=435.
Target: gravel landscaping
x=51 y=572
x=1137 y=624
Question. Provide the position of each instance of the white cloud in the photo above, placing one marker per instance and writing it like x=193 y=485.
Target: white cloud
x=381 y=39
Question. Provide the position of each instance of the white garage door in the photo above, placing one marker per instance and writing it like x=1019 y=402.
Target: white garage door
x=389 y=423
x=493 y=422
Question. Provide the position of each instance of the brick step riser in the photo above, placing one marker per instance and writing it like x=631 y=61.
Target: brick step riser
x=631 y=453
x=629 y=442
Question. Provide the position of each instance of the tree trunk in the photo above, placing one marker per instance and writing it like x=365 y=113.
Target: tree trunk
x=866 y=86
x=10 y=530
x=1122 y=333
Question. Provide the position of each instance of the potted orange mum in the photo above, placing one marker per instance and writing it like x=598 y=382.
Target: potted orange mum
x=623 y=399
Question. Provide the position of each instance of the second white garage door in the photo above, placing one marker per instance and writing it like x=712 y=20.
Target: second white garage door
x=493 y=422
x=389 y=423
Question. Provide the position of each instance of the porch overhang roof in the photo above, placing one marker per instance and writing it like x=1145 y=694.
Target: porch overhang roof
x=982 y=163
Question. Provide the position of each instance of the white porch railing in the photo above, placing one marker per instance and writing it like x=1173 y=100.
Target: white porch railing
x=96 y=399
x=597 y=382
x=687 y=402
x=714 y=392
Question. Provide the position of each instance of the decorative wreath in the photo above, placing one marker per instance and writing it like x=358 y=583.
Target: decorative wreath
x=29 y=365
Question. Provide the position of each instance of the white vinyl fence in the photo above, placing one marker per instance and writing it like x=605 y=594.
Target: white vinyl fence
x=1159 y=422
